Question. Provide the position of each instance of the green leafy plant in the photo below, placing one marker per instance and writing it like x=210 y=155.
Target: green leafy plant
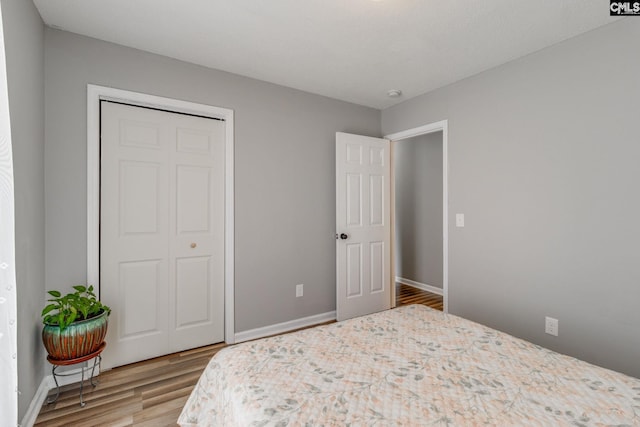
x=79 y=305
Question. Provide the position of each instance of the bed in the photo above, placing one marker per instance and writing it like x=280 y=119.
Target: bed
x=407 y=366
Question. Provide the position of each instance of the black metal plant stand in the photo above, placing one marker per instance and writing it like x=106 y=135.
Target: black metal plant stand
x=96 y=356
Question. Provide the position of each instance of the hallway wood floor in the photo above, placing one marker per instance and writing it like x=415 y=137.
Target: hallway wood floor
x=406 y=295
x=152 y=393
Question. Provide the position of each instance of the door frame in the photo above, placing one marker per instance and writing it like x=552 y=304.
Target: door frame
x=95 y=94
x=440 y=126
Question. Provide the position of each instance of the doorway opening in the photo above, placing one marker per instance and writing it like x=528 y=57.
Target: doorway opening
x=419 y=257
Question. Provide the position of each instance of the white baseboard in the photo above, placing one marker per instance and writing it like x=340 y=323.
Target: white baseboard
x=424 y=287
x=71 y=376
x=36 y=403
x=279 y=328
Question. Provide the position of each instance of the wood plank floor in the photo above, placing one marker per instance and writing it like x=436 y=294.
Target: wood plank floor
x=149 y=393
x=152 y=393
x=406 y=295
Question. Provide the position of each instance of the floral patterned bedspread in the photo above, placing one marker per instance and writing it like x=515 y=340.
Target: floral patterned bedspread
x=408 y=366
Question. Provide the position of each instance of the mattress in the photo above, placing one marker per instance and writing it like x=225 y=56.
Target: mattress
x=407 y=366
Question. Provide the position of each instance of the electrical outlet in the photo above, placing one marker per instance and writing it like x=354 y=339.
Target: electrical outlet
x=299 y=290
x=551 y=326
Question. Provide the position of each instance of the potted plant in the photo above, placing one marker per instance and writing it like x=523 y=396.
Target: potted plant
x=75 y=324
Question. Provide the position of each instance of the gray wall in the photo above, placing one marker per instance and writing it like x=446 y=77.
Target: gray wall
x=284 y=170
x=544 y=162
x=24 y=44
x=418 y=220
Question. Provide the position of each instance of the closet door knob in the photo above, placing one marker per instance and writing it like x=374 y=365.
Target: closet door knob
x=193 y=246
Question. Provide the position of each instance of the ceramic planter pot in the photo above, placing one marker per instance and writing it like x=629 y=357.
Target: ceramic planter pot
x=77 y=340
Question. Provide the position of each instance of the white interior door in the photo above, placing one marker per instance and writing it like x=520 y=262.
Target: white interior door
x=363 y=229
x=161 y=231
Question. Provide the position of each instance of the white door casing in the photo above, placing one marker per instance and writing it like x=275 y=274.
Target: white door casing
x=162 y=231
x=95 y=94
x=363 y=217
x=441 y=126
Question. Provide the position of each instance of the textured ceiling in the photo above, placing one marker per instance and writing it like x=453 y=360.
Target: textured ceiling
x=354 y=50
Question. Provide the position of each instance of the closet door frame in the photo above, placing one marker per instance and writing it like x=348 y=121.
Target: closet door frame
x=97 y=93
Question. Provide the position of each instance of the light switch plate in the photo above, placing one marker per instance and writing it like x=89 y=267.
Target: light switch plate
x=459 y=220
x=551 y=326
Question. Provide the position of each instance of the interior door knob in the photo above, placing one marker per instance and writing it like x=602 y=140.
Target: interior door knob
x=343 y=236
x=193 y=246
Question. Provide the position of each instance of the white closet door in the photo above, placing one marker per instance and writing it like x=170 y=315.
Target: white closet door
x=363 y=230
x=196 y=233
x=161 y=231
